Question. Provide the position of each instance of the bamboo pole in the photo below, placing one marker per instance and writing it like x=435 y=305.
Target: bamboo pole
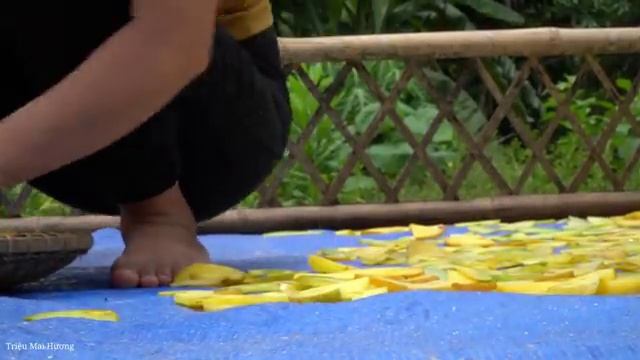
x=462 y=44
x=510 y=208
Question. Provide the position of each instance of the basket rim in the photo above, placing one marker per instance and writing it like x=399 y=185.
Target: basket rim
x=21 y=243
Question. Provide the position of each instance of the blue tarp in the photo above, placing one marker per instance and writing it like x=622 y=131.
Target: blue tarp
x=417 y=325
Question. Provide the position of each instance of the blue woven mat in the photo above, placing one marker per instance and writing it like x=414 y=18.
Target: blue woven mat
x=417 y=325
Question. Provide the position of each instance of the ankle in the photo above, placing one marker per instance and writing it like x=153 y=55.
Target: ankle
x=169 y=208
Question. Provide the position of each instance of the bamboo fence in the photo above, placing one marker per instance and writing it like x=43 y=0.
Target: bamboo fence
x=469 y=54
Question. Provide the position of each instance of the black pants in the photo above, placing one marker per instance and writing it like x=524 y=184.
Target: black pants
x=219 y=138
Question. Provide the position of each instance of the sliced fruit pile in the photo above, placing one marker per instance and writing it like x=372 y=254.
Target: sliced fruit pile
x=572 y=257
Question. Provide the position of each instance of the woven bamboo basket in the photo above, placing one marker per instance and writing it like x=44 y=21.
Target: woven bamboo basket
x=31 y=256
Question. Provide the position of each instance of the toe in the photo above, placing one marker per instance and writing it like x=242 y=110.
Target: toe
x=148 y=277
x=149 y=281
x=165 y=276
x=124 y=278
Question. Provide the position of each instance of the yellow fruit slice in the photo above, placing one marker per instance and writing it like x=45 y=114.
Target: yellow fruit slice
x=185 y=292
x=627 y=222
x=422 y=278
x=468 y=240
x=421 y=232
x=474 y=274
x=605 y=274
x=292 y=233
x=622 y=285
x=348 y=289
x=486 y=286
x=217 y=308
x=370 y=293
x=455 y=277
x=192 y=300
x=424 y=250
x=291 y=287
x=311 y=281
x=97 y=315
x=326 y=293
x=373 y=255
x=197 y=283
x=524 y=273
x=394 y=285
x=344 y=275
x=268 y=275
x=339 y=254
x=396 y=258
x=632 y=216
x=323 y=265
x=440 y=273
x=575 y=223
x=323 y=294
x=559 y=259
x=385 y=230
x=208 y=275
x=525 y=287
x=391 y=272
x=223 y=302
x=614 y=254
x=587 y=267
x=389 y=284
x=585 y=285
x=626 y=265
x=560 y=274
x=520 y=225
x=252 y=288
x=600 y=221
x=438 y=285
x=397 y=244
x=347 y=232
x=549 y=246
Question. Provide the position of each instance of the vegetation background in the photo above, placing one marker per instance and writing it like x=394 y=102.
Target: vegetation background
x=389 y=152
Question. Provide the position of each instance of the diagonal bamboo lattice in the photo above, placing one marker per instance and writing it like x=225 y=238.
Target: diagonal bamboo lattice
x=476 y=143
x=468 y=62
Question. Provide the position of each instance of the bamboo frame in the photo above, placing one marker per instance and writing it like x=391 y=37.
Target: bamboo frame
x=418 y=51
x=509 y=208
x=463 y=44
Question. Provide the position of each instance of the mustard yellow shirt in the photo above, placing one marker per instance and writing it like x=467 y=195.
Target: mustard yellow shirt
x=245 y=18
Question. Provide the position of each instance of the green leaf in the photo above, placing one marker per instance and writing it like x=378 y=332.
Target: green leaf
x=359 y=183
x=444 y=134
x=624 y=84
x=335 y=13
x=390 y=157
x=312 y=15
x=366 y=116
x=465 y=107
x=380 y=9
x=493 y=9
x=420 y=120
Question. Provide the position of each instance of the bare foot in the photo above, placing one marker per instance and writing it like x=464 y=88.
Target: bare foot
x=160 y=239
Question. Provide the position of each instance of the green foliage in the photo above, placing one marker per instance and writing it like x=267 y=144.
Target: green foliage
x=389 y=152
x=38 y=204
x=492 y=9
x=330 y=17
x=306 y=17
x=582 y=13
x=328 y=149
